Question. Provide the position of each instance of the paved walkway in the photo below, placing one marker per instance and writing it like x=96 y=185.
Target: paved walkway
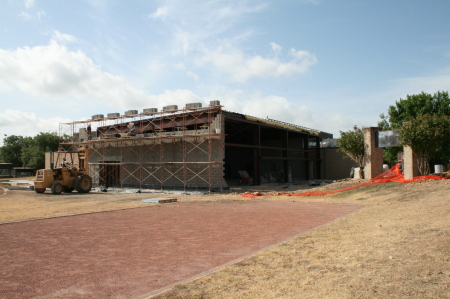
x=136 y=252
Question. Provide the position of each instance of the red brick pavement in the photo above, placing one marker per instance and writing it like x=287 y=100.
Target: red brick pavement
x=130 y=253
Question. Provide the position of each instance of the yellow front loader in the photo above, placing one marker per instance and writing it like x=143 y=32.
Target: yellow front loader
x=65 y=178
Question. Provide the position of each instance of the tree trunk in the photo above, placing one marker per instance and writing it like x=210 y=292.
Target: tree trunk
x=361 y=172
x=423 y=163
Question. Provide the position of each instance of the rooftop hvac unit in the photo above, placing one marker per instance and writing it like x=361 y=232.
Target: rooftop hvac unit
x=150 y=110
x=98 y=116
x=170 y=108
x=113 y=115
x=131 y=112
x=214 y=103
x=193 y=105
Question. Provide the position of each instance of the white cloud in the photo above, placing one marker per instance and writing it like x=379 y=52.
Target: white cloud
x=25 y=15
x=184 y=39
x=179 y=66
x=193 y=23
x=37 y=15
x=430 y=84
x=155 y=65
x=58 y=80
x=29 y=3
x=198 y=28
x=276 y=48
x=215 y=15
x=280 y=108
x=160 y=13
x=63 y=37
x=51 y=71
x=193 y=76
x=179 y=97
x=242 y=67
x=99 y=4
x=15 y=122
x=378 y=102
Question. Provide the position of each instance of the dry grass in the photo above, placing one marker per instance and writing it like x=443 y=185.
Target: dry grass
x=397 y=246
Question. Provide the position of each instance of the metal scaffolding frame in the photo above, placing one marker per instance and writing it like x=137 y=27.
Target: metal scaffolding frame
x=172 y=149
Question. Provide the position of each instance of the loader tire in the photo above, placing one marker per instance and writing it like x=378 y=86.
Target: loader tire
x=83 y=183
x=57 y=188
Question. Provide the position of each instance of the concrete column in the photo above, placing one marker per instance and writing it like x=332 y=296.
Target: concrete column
x=410 y=167
x=373 y=156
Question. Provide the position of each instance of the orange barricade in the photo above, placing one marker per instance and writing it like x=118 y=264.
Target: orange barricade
x=391 y=175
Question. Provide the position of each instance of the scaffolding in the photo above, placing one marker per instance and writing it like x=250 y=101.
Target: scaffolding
x=172 y=149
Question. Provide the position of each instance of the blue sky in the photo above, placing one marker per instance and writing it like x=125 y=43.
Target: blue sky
x=323 y=64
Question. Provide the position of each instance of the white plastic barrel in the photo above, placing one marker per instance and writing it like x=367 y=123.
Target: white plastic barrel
x=438 y=168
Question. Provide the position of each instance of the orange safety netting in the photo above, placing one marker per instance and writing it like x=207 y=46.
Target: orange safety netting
x=392 y=175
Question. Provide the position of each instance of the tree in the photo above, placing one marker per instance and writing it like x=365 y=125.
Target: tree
x=13 y=146
x=34 y=154
x=425 y=134
x=352 y=144
x=413 y=106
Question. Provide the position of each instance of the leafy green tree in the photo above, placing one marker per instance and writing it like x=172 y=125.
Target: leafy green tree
x=413 y=106
x=352 y=144
x=34 y=154
x=425 y=134
x=13 y=146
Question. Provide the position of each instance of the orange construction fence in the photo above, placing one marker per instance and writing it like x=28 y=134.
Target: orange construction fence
x=391 y=175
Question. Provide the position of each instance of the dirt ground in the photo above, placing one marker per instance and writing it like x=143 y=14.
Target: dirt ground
x=397 y=246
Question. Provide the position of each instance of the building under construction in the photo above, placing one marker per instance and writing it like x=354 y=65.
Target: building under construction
x=193 y=148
